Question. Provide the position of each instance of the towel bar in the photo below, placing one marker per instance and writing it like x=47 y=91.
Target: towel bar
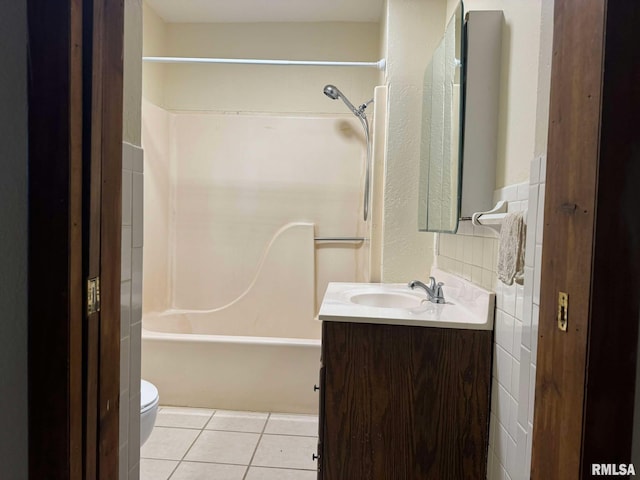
x=492 y=218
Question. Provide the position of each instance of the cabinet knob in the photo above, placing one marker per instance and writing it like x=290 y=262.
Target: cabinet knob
x=314 y=457
x=316 y=388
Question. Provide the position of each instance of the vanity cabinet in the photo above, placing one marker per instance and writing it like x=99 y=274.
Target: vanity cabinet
x=403 y=402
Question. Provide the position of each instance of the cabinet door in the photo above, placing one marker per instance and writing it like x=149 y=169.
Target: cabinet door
x=405 y=402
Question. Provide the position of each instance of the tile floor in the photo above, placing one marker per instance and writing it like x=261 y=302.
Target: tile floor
x=202 y=444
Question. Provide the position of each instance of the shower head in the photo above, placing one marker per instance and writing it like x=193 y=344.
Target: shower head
x=332 y=92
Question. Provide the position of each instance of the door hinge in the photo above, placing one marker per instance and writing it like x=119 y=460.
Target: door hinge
x=93 y=295
x=563 y=311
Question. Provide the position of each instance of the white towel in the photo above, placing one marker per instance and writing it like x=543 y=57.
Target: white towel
x=511 y=249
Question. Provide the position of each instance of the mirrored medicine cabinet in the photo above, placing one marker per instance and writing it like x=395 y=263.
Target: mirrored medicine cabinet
x=458 y=145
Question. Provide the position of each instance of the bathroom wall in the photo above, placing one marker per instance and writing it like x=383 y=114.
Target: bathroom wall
x=13 y=241
x=520 y=177
x=131 y=310
x=132 y=74
x=132 y=237
x=413 y=30
x=154 y=31
x=383 y=30
x=273 y=89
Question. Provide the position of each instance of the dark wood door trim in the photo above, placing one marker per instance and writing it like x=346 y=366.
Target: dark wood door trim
x=103 y=133
x=585 y=376
x=615 y=280
x=109 y=39
x=75 y=154
x=55 y=239
x=572 y=155
x=92 y=143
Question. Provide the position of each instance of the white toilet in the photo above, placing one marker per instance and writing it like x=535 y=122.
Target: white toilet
x=149 y=400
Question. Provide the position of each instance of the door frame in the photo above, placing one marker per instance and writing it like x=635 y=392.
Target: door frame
x=65 y=420
x=585 y=382
x=55 y=293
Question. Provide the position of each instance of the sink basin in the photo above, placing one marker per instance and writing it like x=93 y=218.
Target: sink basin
x=384 y=299
x=467 y=305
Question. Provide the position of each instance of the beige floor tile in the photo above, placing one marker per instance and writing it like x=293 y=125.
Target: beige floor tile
x=284 y=424
x=168 y=443
x=262 y=473
x=223 y=447
x=208 y=471
x=286 y=452
x=151 y=469
x=237 y=421
x=183 y=417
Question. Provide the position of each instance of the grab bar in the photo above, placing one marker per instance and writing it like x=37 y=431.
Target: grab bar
x=339 y=239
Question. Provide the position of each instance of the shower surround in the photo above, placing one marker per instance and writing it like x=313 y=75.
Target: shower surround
x=232 y=274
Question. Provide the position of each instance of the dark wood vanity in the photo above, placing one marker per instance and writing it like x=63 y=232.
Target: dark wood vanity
x=403 y=402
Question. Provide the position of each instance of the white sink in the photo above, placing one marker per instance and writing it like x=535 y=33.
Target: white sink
x=467 y=305
x=385 y=298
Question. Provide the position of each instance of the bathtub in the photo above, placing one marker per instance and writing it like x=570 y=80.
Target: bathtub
x=259 y=352
x=264 y=374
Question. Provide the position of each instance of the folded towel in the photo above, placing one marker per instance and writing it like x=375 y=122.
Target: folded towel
x=511 y=249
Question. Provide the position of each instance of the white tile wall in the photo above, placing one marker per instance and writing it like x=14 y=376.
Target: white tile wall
x=130 y=312
x=472 y=254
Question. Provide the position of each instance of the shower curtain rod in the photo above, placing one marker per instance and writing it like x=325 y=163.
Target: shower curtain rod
x=380 y=64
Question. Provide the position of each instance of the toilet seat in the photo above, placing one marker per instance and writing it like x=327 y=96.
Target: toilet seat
x=148 y=396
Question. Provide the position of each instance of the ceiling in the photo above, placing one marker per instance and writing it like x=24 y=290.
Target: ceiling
x=239 y=11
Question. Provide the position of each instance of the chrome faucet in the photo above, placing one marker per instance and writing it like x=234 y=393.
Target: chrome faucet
x=434 y=290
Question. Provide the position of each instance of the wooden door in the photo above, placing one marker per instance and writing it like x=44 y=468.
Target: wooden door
x=591 y=246
x=75 y=142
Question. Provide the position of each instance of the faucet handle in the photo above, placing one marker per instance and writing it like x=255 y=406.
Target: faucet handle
x=438 y=293
x=432 y=283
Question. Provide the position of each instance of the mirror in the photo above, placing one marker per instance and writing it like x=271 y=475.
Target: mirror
x=441 y=140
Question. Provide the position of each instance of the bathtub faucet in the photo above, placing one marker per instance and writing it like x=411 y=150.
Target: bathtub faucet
x=434 y=290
